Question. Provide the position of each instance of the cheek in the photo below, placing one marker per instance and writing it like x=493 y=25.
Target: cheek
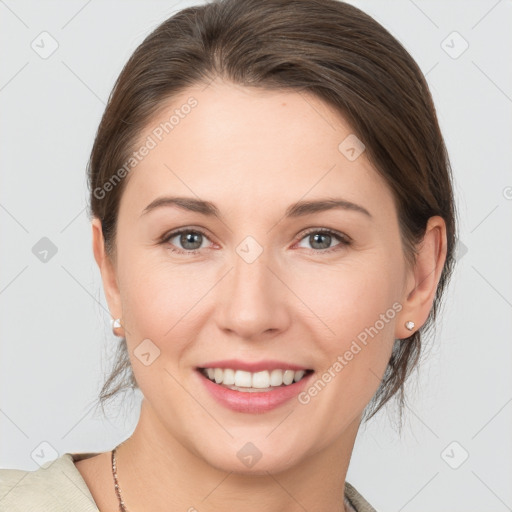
x=354 y=306
x=348 y=298
x=355 y=336
x=161 y=301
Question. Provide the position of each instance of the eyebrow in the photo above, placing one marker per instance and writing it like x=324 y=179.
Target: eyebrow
x=298 y=209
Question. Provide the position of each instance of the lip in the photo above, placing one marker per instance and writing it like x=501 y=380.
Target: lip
x=248 y=402
x=259 y=366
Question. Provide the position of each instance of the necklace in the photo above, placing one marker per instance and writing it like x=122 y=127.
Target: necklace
x=122 y=506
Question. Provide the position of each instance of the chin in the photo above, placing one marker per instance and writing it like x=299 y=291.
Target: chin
x=245 y=458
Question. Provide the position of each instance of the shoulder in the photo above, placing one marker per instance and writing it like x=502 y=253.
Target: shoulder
x=356 y=500
x=57 y=486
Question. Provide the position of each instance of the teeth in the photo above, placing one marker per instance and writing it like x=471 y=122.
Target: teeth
x=259 y=380
x=253 y=381
x=242 y=379
x=218 y=375
x=288 y=376
x=229 y=377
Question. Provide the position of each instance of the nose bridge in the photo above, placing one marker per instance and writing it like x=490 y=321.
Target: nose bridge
x=253 y=299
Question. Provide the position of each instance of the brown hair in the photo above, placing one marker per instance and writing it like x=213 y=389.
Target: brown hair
x=325 y=47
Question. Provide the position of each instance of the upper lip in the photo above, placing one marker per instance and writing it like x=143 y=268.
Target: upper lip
x=253 y=366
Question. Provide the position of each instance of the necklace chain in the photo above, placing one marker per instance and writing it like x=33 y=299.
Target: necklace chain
x=122 y=506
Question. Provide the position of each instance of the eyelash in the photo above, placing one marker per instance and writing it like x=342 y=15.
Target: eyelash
x=344 y=240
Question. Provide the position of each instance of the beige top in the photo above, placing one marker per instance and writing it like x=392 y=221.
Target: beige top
x=59 y=487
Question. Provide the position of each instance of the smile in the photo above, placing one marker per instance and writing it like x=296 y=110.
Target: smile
x=253 y=392
x=245 y=381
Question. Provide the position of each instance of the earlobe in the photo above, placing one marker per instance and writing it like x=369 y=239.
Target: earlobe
x=107 y=270
x=424 y=277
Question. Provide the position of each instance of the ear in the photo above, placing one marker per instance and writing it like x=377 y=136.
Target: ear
x=422 y=280
x=107 y=269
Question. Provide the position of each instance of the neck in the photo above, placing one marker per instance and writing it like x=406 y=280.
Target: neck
x=157 y=472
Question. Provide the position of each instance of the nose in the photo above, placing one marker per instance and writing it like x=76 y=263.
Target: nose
x=254 y=301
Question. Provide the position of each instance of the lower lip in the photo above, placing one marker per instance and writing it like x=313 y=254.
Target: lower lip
x=253 y=402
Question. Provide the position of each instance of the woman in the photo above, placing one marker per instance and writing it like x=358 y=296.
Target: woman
x=274 y=223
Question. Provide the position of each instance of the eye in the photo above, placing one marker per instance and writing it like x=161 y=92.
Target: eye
x=320 y=240
x=191 y=240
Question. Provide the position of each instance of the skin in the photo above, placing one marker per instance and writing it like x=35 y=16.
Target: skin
x=253 y=153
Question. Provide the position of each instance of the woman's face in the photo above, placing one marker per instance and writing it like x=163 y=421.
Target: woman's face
x=257 y=282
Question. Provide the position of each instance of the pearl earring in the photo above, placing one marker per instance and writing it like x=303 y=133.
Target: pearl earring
x=409 y=325
x=115 y=323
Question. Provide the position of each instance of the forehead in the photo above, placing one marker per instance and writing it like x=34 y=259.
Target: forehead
x=251 y=147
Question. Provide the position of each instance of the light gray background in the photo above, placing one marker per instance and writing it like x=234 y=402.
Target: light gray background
x=55 y=338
